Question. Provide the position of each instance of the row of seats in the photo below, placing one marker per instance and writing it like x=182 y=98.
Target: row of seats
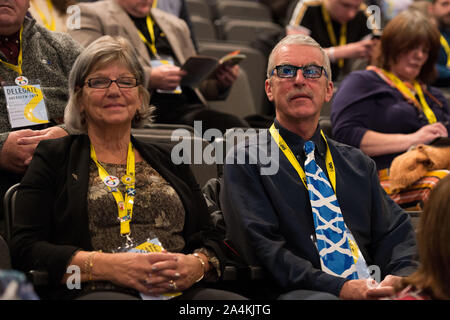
x=221 y=27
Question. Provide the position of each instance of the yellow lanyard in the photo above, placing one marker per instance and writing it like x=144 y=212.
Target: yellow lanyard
x=51 y=25
x=446 y=47
x=294 y=162
x=17 y=68
x=343 y=35
x=124 y=207
x=399 y=84
x=151 y=31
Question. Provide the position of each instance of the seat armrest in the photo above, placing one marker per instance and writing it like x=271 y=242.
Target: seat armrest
x=38 y=277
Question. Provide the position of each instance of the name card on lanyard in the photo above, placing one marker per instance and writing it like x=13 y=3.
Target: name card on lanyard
x=24 y=100
x=25 y=103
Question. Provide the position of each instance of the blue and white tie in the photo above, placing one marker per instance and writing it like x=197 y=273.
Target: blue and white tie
x=331 y=232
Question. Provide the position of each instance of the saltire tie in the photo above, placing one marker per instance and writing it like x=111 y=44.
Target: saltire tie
x=331 y=232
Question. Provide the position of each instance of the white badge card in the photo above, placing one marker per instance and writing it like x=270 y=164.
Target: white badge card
x=160 y=62
x=25 y=103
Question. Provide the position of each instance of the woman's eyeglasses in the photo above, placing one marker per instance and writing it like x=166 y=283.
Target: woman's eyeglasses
x=309 y=72
x=103 y=83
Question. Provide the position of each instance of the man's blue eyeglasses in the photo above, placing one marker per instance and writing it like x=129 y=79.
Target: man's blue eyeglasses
x=309 y=72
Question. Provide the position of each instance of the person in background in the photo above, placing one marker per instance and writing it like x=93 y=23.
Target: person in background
x=315 y=216
x=34 y=68
x=339 y=26
x=441 y=12
x=389 y=108
x=104 y=202
x=432 y=279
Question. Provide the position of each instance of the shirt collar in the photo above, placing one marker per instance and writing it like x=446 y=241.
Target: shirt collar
x=295 y=142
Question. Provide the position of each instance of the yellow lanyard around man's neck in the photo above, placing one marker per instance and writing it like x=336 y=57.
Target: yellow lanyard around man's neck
x=294 y=162
x=151 y=31
x=400 y=85
x=52 y=25
x=124 y=206
x=332 y=35
x=446 y=47
x=17 y=68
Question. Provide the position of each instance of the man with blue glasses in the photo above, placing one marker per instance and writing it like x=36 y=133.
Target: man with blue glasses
x=321 y=225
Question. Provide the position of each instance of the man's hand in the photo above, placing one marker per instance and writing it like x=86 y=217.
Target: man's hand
x=19 y=147
x=166 y=77
x=227 y=75
x=364 y=289
x=355 y=50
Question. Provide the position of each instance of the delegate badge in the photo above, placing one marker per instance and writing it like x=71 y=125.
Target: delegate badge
x=111 y=181
x=25 y=103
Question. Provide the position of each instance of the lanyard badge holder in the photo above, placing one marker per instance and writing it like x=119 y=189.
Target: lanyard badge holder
x=25 y=103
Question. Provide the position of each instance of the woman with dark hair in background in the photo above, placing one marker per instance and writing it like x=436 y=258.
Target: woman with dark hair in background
x=389 y=108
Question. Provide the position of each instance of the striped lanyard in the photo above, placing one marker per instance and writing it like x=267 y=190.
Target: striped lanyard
x=294 y=162
x=17 y=68
x=124 y=206
x=331 y=34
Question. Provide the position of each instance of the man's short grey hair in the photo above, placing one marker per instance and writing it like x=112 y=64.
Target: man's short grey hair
x=97 y=55
x=298 y=39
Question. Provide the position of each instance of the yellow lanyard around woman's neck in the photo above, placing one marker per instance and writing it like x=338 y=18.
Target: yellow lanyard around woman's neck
x=17 y=68
x=332 y=35
x=446 y=47
x=294 y=162
x=52 y=25
x=422 y=103
x=124 y=206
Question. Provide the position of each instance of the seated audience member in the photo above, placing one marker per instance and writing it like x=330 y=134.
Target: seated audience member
x=34 y=67
x=159 y=38
x=441 y=13
x=389 y=108
x=51 y=14
x=92 y=199
x=339 y=26
x=432 y=279
x=315 y=220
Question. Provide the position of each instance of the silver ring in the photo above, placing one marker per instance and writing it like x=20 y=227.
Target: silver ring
x=173 y=285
